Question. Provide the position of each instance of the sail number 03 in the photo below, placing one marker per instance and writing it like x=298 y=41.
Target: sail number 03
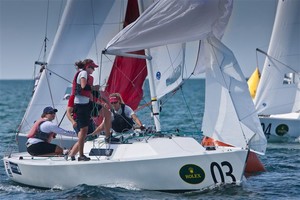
x=215 y=167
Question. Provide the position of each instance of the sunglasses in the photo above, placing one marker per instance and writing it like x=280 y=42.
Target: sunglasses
x=92 y=67
x=50 y=113
x=114 y=102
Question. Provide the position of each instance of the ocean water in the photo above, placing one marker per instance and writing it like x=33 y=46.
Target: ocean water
x=282 y=160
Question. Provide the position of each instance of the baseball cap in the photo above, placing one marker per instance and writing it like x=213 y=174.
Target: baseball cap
x=49 y=110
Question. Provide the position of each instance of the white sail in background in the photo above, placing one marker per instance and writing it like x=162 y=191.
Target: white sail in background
x=279 y=88
x=229 y=110
x=85 y=27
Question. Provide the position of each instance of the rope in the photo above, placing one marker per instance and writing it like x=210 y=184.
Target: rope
x=287 y=66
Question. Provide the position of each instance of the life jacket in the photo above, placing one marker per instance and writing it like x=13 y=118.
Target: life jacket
x=121 y=123
x=35 y=131
x=86 y=91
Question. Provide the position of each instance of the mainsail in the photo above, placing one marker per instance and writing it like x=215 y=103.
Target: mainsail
x=85 y=27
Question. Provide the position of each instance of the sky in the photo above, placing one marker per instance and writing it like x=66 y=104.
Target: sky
x=24 y=24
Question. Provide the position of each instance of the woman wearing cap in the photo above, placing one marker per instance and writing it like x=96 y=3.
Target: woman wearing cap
x=82 y=89
x=123 y=117
x=41 y=134
x=105 y=117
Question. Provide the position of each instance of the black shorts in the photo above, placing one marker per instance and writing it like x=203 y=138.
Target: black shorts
x=82 y=115
x=41 y=148
x=92 y=127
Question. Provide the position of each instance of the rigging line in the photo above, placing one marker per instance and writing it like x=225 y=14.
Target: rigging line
x=58 y=75
x=287 y=66
x=46 y=33
x=48 y=84
x=100 y=68
x=147 y=104
x=171 y=94
x=197 y=61
x=143 y=68
x=62 y=118
x=188 y=107
x=187 y=103
x=60 y=136
x=23 y=121
x=47 y=19
x=44 y=46
x=95 y=42
x=256 y=58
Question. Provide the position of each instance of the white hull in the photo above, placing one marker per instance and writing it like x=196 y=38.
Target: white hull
x=281 y=126
x=155 y=164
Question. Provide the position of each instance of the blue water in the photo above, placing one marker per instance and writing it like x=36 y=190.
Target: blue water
x=282 y=160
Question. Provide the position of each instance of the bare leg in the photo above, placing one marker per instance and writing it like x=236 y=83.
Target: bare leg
x=74 y=149
x=81 y=137
x=107 y=121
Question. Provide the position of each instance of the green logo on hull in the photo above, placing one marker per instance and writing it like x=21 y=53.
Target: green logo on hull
x=282 y=129
x=192 y=174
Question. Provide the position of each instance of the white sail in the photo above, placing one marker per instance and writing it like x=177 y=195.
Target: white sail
x=155 y=27
x=279 y=88
x=168 y=66
x=85 y=27
x=158 y=26
x=173 y=21
x=229 y=110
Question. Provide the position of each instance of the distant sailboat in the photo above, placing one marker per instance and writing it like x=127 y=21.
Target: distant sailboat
x=253 y=82
x=154 y=160
x=278 y=95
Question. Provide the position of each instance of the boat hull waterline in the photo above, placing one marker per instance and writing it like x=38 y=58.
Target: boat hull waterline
x=183 y=165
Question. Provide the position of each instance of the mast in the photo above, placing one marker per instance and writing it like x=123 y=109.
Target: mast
x=154 y=101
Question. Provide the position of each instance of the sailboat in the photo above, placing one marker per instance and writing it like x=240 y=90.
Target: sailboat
x=278 y=94
x=253 y=82
x=154 y=160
